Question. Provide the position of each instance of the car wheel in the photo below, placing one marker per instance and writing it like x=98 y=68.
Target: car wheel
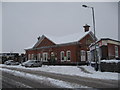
x=40 y=65
x=32 y=65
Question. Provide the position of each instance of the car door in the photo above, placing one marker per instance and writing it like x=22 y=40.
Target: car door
x=35 y=63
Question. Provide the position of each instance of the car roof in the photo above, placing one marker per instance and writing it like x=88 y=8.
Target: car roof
x=9 y=60
x=33 y=60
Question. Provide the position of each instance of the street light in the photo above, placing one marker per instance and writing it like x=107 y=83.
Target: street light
x=85 y=6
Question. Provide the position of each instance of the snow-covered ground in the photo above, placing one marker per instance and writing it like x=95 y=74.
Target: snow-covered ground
x=47 y=80
x=110 y=61
x=73 y=70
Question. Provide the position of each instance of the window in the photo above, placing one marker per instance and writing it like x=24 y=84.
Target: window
x=45 y=56
x=32 y=57
x=52 y=54
x=62 y=55
x=29 y=57
x=83 y=55
x=116 y=51
x=88 y=56
x=68 y=55
x=38 y=56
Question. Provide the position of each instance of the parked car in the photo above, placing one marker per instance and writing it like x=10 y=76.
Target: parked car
x=32 y=63
x=11 y=62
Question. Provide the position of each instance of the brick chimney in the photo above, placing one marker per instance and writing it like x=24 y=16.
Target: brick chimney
x=38 y=38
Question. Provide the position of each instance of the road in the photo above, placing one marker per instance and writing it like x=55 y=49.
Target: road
x=20 y=82
x=11 y=81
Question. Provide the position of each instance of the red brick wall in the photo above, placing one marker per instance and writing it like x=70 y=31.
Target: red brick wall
x=72 y=48
x=111 y=50
x=75 y=49
x=45 y=42
x=85 y=42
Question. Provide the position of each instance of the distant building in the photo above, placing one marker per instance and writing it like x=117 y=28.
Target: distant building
x=72 y=51
x=106 y=49
x=9 y=56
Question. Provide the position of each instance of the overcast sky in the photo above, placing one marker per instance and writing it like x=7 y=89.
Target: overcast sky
x=23 y=22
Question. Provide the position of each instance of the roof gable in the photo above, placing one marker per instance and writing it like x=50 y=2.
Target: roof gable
x=90 y=33
x=43 y=41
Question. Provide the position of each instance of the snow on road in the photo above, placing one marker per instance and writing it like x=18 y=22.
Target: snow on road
x=73 y=70
x=47 y=80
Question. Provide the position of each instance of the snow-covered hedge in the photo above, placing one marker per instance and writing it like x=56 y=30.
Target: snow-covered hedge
x=110 y=61
x=110 y=66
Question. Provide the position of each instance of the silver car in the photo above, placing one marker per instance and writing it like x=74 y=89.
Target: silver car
x=11 y=62
x=32 y=63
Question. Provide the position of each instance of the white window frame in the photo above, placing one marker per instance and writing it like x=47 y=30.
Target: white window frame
x=45 y=53
x=116 y=52
x=62 y=52
x=67 y=55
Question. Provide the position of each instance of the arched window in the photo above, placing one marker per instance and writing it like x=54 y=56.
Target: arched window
x=45 y=56
x=68 y=54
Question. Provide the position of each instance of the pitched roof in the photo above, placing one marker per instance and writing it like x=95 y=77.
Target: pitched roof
x=40 y=40
x=65 y=39
x=70 y=38
x=109 y=39
x=106 y=39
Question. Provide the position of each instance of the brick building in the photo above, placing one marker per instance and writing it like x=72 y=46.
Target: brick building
x=72 y=52
x=106 y=49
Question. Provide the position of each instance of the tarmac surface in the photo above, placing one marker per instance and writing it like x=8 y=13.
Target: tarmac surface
x=11 y=81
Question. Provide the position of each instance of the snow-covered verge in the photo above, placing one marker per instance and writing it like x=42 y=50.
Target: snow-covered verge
x=73 y=70
x=101 y=75
x=46 y=80
x=110 y=61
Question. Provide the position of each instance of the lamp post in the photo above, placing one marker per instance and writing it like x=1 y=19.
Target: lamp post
x=95 y=54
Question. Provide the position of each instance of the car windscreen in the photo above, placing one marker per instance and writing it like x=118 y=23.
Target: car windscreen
x=29 y=61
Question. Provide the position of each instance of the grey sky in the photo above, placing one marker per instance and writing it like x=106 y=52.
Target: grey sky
x=22 y=23
x=0 y=26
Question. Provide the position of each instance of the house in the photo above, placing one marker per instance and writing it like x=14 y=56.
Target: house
x=70 y=49
x=106 y=49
